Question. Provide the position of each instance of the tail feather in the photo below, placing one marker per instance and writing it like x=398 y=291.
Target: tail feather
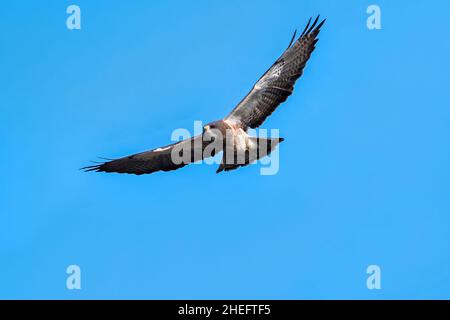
x=258 y=148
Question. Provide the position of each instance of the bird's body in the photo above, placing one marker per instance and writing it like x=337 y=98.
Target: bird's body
x=230 y=135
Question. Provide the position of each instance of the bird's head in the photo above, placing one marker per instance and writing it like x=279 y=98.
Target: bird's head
x=209 y=126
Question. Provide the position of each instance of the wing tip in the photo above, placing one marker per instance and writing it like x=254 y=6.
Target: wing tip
x=306 y=27
x=321 y=24
x=94 y=168
x=98 y=166
x=102 y=168
x=314 y=27
x=293 y=38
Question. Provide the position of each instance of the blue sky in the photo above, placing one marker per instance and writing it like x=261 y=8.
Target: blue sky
x=364 y=172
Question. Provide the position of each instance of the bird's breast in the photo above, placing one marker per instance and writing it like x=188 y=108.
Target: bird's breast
x=240 y=140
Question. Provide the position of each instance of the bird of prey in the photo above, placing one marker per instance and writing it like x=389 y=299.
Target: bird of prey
x=230 y=133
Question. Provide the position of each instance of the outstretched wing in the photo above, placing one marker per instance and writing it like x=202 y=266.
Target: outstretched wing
x=277 y=83
x=166 y=158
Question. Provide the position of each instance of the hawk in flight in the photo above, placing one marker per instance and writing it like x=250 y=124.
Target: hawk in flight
x=230 y=133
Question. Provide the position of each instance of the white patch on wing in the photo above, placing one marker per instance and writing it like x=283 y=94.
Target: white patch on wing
x=162 y=149
x=274 y=73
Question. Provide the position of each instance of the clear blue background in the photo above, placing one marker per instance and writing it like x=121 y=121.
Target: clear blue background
x=364 y=175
